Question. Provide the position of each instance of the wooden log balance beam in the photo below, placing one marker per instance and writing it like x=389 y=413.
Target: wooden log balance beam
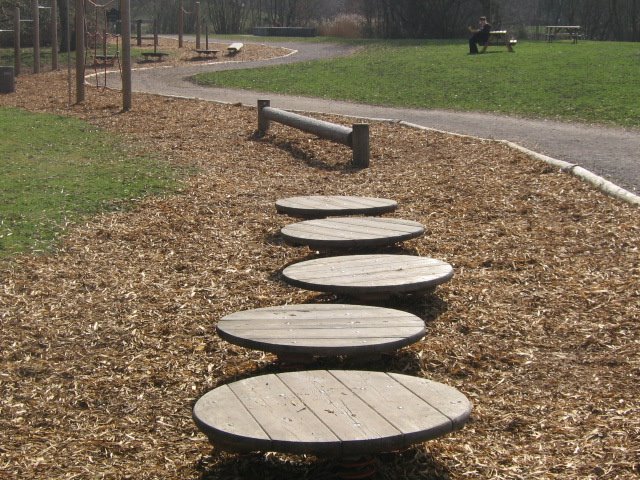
x=356 y=137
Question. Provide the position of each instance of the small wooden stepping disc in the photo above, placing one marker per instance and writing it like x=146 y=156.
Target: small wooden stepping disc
x=329 y=412
x=369 y=275
x=351 y=232
x=322 y=329
x=320 y=206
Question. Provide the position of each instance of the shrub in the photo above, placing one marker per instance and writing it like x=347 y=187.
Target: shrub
x=344 y=26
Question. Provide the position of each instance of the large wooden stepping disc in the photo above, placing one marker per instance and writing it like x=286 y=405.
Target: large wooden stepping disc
x=351 y=232
x=329 y=412
x=369 y=275
x=322 y=329
x=320 y=206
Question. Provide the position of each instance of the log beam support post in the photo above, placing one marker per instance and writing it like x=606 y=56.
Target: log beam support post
x=356 y=137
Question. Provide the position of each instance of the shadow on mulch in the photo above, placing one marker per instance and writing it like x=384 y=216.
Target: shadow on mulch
x=308 y=254
x=148 y=62
x=202 y=59
x=405 y=361
x=305 y=156
x=395 y=249
x=410 y=463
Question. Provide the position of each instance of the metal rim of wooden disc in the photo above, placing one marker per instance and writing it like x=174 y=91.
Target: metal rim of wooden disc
x=297 y=333
x=351 y=232
x=369 y=276
x=335 y=413
x=320 y=206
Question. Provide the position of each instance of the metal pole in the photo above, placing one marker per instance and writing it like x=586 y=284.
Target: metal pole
x=68 y=52
x=54 y=35
x=17 y=60
x=155 y=36
x=197 y=11
x=36 y=36
x=79 y=51
x=125 y=16
x=180 y=23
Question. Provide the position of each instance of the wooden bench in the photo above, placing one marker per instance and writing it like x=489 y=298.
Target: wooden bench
x=333 y=413
x=351 y=232
x=207 y=53
x=499 y=38
x=298 y=333
x=553 y=32
x=369 y=277
x=234 y=48
x=157 y=56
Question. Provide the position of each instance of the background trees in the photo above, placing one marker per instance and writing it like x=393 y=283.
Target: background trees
x=600 y=19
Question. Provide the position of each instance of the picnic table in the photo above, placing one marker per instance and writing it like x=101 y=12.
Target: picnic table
x=499 y=38
x=374 y=276
x=319 y=206
x=297 y=333
x=207 y=52
x=562 y=31
x=351 y=232
x=158 y=56
x=337 y=413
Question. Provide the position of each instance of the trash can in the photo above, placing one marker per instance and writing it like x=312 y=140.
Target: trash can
x=7 y=80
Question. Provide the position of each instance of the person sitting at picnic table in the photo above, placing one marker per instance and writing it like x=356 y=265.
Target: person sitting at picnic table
x=480 y=35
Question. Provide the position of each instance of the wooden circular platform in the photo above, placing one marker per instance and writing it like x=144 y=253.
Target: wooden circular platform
x=375 y=276
x=329 y=412
x=322 y=329
x=320 y=206
x=351 y=232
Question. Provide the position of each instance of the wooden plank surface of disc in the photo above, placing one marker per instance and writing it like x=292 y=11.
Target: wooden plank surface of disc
x=364 y=275
x=329 y=412
x=351 y=232
x=322 y=329
x=320 y=206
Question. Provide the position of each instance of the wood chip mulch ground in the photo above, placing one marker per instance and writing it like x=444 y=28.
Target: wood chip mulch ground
x=106 y=344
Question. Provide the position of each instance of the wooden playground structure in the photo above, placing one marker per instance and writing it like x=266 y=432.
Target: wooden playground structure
x=97 y=45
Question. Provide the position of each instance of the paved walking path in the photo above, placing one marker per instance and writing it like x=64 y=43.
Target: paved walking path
x=613 y=153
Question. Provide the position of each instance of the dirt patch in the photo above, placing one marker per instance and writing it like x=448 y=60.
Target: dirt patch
x=188 y=54
x=107 y=343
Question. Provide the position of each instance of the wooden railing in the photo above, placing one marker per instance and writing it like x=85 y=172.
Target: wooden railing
x=356 y=137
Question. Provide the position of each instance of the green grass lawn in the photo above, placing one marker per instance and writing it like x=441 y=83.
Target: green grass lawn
x=588 y=82
x=26 y=58
x=55 y=170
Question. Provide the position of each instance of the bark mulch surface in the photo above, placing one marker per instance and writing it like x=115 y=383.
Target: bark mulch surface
x=189 y=55
x=107 y=343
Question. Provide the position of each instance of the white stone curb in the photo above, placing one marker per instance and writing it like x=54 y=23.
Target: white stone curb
x=600 y=183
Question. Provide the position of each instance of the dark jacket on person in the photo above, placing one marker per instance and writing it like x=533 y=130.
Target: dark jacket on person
x=482 y=36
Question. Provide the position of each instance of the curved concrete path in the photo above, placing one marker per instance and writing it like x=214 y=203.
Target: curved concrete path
x=612 y=153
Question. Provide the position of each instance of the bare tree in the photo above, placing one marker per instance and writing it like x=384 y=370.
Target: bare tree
x=600 y=19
